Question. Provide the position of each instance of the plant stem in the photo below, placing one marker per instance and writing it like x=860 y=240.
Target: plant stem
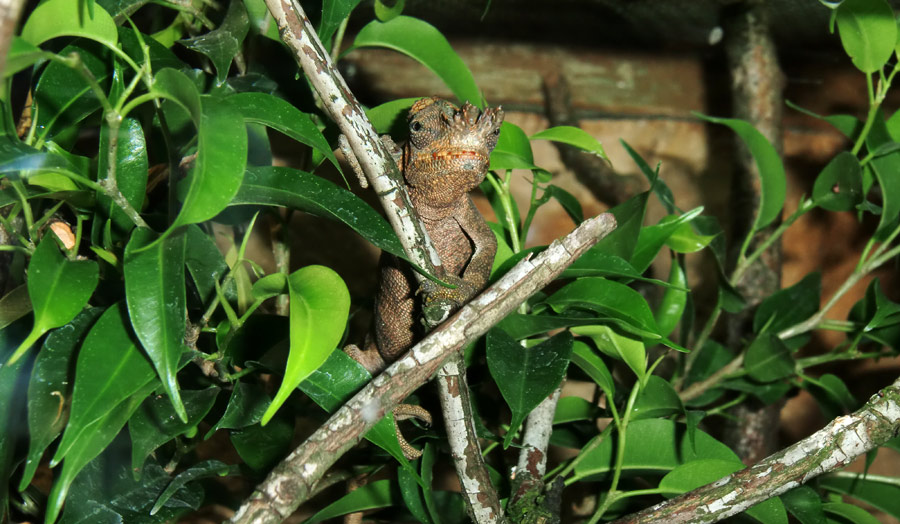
x=613 y=495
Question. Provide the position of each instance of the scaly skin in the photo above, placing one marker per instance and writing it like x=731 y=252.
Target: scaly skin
x=445 y=158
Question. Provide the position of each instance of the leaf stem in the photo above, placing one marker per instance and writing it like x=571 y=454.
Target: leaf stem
x=613 y=495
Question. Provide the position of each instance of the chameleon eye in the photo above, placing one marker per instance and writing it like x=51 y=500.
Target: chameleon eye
x=416 y=126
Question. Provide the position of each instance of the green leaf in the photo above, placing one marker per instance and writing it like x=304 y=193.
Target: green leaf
x=14 y=305
x=23 y=55
x=519 y=326
x=378 y=494
x=333 y=13
x=789 y=306
x=832 y=395
x=685 y=240
x=868 y=32
x=839 y=186
x=245 y=407
x=412 y=495
x=205 y=469
x=609 y=298
x=156 y=423
x=223 y=43
x=653 y=445
x=110 y=369
x=58 y=288
x=429 y=457
x=12 y=378
x=627 y=349
x=599 y=264
x=221 y=148
x=572 y=409
x=282 y=186
x=55 y=18
x=768 y=359
x=390 y=117
x=262 y=447
x=425 y=44
x=854 y=514
x=693 y=475
x=629 y=218
x=515 y=143
x=387 y=13
x=773 y=183
x=848 y=125
x=131 y=174
x=674 y=300
x=281 y=116
x=100 y=433
x=204 y=261
x=50 y=386
x=885 y=169
x=659 y=188
x=653 y=238
x=881 y=495
x=657 y=399
x=573 y=136
x=591 y=363
x=155 y=293
x=319 y=307
x=568 y=202
x=805 y=505
x=526 y=375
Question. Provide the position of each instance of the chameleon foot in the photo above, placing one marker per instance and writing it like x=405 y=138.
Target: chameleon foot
x=407 y=411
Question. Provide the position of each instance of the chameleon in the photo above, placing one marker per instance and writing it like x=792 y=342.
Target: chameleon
x=446 y=157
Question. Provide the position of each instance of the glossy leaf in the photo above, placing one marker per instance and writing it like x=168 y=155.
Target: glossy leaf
x=319 y=307
x=805 y=505
x=693 y=475
x=519 y=326
x=51 y=385
x=868 y=32
x=657 y=399
x=653 y=238
x=55 y=18
x=22 y=54
x=156 y=423
x=609 y=298
x=848 y=125
x=14 y=305
x=884 y=168
x=262 y=447
x=58 y=288
x=653 y=445
x=591 y=363
x=155 y=294
x=685 y=240
x=333 y=13
x=223 y=43
x=573 y=136
x=768 y=359
x=425 y=44
x=674 y=300
x=789 y=306
x=377 y=494
x=526 y=375
x=411 y=493
x=245 y=407
x=571 y=409
x=854 y=514
x=109 y=370
x=205 y=469
x=221 y=148
x=385 y=12
x=659 y=188
x=882 y=495
x=839 y=186
x=100 y=432
x=513 y=142
x=390 y=117
x=629 y=219
x=773 y=182
x=627 y=349
x=281 y=116
x=130 y=171
x=62 y=97
x=286 y=187
x=832 y=395
x=12 y=378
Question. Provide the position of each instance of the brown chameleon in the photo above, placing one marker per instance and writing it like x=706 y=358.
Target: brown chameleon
x=445 y=158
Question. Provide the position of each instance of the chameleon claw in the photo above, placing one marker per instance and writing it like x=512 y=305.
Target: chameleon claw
x=404 y=412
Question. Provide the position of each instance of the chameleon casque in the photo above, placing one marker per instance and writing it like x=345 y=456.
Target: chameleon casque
x=445 y=158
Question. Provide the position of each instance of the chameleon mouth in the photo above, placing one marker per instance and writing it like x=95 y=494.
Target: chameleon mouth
x=461 y=154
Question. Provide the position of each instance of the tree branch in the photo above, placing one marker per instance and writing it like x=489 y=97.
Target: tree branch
x=290 y=482
x=829 y=449
x=386 y=179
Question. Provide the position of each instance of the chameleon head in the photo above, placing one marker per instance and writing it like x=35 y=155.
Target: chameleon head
x=449 y=148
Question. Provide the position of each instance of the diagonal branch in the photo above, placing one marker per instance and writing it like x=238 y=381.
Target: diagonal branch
x=291 y=482
x=829 y=449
